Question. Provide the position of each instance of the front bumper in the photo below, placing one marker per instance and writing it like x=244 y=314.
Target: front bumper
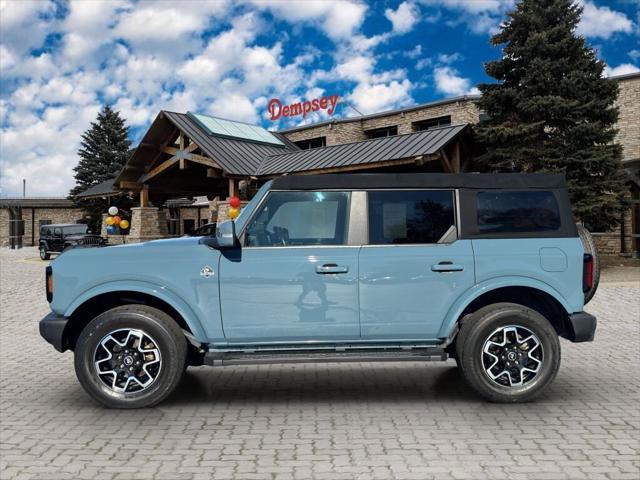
x=52 y=330
x=582 y=327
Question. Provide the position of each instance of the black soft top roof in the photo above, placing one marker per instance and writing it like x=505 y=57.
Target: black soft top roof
x=349 y=181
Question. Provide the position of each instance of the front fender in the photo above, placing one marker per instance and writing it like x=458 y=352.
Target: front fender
x=154 y=290
x=492 y=284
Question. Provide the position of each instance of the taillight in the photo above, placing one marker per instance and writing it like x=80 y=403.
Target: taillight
x=587 y=272
x=49 y=283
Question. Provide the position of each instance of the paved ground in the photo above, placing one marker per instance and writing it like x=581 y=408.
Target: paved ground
x=398 y=421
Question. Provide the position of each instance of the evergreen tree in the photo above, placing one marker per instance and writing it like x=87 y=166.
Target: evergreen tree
x=553 y=110
x=103 y=152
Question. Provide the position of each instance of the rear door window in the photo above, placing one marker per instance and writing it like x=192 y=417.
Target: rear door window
x=517 y=212
x=409 y=216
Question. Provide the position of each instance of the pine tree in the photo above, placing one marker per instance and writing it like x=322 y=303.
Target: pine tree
x=553 y=110
x=103 y=152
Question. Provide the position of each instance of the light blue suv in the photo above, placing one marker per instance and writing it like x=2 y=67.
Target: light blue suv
x=488 y=269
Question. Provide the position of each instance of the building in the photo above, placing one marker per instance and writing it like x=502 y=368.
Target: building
x=23 y=217
x=188 y=155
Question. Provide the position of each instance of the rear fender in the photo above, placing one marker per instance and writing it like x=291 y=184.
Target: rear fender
x=449 y=324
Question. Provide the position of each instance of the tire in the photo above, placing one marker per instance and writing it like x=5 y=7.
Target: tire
x=44 y=255
x=158 y=366
x=590 y=248
x=486 y=327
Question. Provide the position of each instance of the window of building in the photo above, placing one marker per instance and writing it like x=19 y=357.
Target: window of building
x=431 y=123
x=317 y=142
x=188 y=226
x=382 y=132
x=409 y=216
x=516 y=212
x=299 y=219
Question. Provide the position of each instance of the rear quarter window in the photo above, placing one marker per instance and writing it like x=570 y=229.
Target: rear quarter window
x=517 y=212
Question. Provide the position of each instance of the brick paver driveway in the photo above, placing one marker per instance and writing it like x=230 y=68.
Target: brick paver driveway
x=338 y=421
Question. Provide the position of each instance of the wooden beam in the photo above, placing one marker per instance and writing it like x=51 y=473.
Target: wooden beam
x=181 y=140
x=192 y=146
x=233 y=188
x=169 y=150
x=144 y=196
x=159 y=169
x=445 y=161
x=183 y=164
x=193 y=157
x=456 y=157
x=130 y=185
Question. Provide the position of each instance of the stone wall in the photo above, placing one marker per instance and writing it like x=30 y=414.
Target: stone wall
x=4 y=227
x=55 y=215
x=629 y=119
x=463 y=111
x=147 y=223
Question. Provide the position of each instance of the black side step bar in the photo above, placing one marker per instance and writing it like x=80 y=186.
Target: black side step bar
x=219 y=359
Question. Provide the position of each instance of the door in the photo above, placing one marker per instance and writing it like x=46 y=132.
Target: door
x=413 y=268
x=57 y=240
x=295 y=278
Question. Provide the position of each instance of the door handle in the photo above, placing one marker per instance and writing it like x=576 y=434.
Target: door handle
x=447 y=267
x=331 y=268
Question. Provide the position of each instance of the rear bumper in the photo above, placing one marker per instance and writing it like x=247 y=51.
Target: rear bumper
x=582 y=327
x=52 y=330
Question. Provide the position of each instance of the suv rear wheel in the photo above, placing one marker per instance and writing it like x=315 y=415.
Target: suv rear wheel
x=508 y=353
x=130 y=357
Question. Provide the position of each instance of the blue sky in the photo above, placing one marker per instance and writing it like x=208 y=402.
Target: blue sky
x=60 y=60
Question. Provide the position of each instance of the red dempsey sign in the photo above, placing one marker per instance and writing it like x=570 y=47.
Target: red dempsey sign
x=277 y=110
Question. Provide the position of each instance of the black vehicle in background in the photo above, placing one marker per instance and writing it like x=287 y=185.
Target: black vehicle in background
x=58 y=238
x=204 y=230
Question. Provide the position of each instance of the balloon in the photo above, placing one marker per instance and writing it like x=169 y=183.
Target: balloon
x=234 y=202
x=233 y=213
x=116 y=220
x=124 y=224
x=109 y=221
x=111 y=229
x=113 y=211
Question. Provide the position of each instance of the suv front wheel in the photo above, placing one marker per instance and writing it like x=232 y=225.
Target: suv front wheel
x=130 y=357
x=44 y=255
x=508 y=352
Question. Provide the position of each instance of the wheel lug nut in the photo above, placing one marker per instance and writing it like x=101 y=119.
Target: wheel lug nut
x=122 y=365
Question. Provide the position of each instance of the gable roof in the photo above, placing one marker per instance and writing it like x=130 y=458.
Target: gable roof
x=368 y=152
x=104 y=189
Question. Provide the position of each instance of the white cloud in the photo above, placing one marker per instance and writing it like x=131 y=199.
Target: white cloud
x=602 y=22
x=480 y=16
x=24 y=24
x=339 y=19
x=635 y=54
x=449 y=82
x=622 y=69
x=404 y=18
x=370 y=98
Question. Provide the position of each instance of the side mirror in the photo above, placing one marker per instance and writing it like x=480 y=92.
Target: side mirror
x=226 y=234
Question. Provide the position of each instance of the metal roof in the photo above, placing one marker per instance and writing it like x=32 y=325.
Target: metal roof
x=235 y=156
x=446 y=101
x=104 y=189
x=36 y=202
x=397 y=147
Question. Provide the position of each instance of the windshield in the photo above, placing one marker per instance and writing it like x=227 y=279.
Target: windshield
x=75 y=230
